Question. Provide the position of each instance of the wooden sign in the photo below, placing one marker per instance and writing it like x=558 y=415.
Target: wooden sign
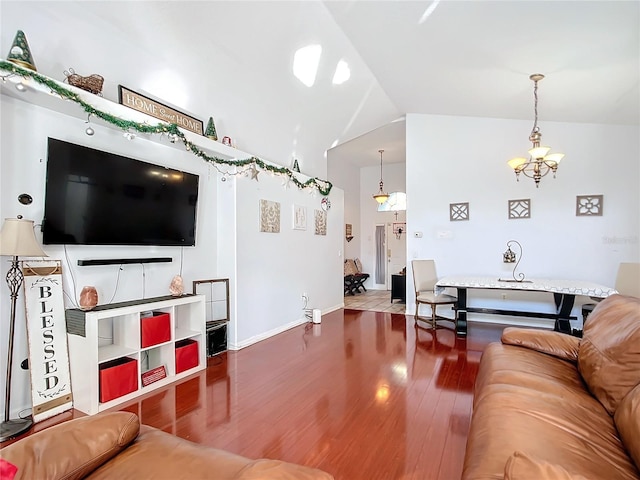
x=47 y=336
x=155 y=109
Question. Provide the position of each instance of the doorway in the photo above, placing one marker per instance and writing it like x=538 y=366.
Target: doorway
x=396 y=250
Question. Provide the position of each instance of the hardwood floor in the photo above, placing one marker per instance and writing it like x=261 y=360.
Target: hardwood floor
x=363 y=395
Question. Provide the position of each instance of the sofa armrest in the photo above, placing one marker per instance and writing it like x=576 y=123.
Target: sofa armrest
x=72 y=450
x=552 y=343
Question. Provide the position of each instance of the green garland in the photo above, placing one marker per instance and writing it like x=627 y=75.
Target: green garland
x=323 y=186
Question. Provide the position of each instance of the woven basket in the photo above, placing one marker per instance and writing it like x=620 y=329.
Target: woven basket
x=92 y=83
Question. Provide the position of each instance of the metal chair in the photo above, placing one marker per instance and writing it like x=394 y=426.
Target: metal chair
x=424 y=280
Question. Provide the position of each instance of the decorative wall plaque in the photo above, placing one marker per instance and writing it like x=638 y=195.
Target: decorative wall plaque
x=299 y=217
x=321 y=222
x=520 y=208
x=458 y=212
x=269 y=216
x=155 y=109
x=589 y=205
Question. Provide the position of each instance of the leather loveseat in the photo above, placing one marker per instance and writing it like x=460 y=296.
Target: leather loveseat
x=115 y=446
x=553 y=406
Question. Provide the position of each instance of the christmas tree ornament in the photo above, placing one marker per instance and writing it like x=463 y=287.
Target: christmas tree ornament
x=20 y=53
x=210 y=132
x=296 y=167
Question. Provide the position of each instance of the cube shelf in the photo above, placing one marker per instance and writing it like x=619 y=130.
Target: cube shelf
x=111 y=346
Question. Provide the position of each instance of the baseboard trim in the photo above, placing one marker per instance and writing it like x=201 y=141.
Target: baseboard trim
x=276 y=331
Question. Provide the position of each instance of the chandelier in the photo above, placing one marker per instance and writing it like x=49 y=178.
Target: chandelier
x=540 y=161
x=381 y=197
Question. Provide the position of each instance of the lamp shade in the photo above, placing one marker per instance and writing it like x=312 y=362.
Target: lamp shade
x=516 y=163
x=554 y=157
x=381 y=197
x=539 y=152
x=17 y=239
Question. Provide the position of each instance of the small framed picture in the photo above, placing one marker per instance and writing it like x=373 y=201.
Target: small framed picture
x=299 y=217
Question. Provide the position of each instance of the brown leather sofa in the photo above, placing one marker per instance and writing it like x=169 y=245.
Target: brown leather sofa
x=552 y=406
x=115 y=446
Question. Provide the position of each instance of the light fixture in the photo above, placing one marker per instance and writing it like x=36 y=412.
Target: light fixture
x=16 y=239
x=540 y=160
x=381 y=197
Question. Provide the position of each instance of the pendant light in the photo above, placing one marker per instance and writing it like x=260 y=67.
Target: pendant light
x=381 y=197
x=540 y=161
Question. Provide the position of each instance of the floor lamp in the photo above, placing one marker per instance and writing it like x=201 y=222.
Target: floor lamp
x=16 y=240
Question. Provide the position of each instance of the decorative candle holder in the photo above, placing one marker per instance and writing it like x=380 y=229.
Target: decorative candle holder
x=509 y=256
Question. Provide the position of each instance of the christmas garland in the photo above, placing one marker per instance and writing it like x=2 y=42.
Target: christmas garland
x=171 y=129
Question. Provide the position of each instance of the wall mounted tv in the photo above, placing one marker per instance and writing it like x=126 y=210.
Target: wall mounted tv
x=100 y=198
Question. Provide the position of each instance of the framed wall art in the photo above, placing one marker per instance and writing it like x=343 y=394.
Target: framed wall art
x=589 y=205
x=321 y=222
x=520 y=208
x=299 y=217
x=269 y=216
x=458 y=212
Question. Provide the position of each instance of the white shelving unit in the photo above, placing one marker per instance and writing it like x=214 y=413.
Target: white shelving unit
x=112 y=332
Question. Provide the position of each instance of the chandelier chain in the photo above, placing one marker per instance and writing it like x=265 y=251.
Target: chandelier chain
x=535 y=107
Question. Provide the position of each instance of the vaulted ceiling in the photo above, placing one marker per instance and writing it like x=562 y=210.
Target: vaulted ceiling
x=233 y=60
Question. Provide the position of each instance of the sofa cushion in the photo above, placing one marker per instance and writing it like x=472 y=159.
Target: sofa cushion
x=350 y=267
x=358 y=265
x=544 y=341
x=72 y=450
x=157 y=454
x=277 y=470
x=627 y=420
x=521 y=466
x=531 y=402
x=609 y=354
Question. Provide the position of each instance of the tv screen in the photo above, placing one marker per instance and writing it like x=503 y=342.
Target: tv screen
x=100 y=198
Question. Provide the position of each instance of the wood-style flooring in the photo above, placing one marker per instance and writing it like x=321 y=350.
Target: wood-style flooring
x=363 y=395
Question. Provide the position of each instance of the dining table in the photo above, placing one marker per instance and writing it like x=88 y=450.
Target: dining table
x=564 y=293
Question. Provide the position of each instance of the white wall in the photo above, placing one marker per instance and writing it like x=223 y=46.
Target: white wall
x=345 y=176
x=275 y=269
x=462 y=159
x=268 y=272
x=394 y=179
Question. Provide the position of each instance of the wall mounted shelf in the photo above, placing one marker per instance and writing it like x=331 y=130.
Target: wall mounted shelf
x=40 y=95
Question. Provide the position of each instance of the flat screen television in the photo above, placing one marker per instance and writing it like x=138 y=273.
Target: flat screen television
x=100 y=198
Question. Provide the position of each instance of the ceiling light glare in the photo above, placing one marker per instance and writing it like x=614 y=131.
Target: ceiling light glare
x=428 y=11
x=305 y=64
x=342 y=73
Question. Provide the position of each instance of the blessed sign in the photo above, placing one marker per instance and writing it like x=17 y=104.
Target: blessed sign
x=157 y=110
x=47 y=335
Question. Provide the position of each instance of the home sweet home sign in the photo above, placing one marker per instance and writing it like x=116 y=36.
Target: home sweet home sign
x=47 y=337
x=153 y=108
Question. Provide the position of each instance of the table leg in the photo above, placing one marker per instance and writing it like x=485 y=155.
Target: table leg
x=461 y=324
x=564 y=304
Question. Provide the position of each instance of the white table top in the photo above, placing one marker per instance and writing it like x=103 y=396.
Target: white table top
x=570 y=287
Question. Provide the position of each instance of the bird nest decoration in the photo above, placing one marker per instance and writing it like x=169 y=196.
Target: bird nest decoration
x=92 y=83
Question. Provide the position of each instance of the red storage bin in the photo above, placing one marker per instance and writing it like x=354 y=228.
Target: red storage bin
x=186 y=355
x=117 y=378
x=155 y=329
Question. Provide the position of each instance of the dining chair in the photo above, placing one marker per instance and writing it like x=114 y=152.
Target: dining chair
x=424 y=280
x=627 y=283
